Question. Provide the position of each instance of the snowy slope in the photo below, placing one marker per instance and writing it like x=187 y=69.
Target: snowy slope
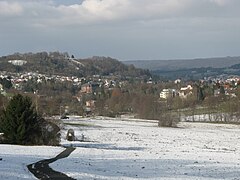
x=117 y=149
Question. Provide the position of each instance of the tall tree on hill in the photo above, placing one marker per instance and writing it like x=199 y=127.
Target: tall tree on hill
x=6 y=83
x=2 y=101
x=20 y=123
x=200 y=93
x=222 y=90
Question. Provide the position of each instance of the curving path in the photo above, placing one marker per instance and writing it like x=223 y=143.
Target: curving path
x=41 y=169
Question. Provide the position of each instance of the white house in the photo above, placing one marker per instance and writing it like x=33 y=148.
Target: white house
x=186 y=91
x=167 y=93
x=177 y=81
x=18 y=62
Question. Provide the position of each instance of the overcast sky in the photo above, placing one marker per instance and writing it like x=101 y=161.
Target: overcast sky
x=123 y=29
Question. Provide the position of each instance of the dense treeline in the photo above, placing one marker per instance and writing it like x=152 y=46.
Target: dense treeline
x=143 y=101
x=50 y=96
x=140 y=99
x=106 y=66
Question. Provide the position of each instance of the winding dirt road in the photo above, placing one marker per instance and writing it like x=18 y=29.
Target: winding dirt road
x=41 y=169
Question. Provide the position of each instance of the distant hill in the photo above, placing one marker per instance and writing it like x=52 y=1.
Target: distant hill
x=154 y=65
x=191 y=69
x=61 y=64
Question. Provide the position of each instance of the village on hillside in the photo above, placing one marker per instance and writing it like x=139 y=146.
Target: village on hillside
x=227 y=85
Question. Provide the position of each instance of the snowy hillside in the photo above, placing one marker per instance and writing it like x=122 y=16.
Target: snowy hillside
x=117 y=149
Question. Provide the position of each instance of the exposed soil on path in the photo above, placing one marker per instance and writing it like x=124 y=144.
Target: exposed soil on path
x=41 y=169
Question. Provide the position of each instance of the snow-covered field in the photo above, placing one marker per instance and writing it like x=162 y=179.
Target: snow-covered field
x=119 y=149
x=16 y=158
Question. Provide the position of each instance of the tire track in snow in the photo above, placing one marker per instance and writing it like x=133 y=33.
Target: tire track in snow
x=41 y=169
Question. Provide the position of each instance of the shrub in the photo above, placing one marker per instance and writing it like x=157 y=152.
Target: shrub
x=50 y=133
x=168 y=119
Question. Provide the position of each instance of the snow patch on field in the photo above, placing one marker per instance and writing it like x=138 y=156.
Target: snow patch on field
x=16 y=158
x=120 y=149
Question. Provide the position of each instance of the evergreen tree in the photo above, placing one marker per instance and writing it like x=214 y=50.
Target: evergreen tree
x=20 y=123
x=222 y=90
x=6 y=83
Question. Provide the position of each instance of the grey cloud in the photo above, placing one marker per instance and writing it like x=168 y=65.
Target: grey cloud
x=122 y=28
x=10 y=9
x=47 y=13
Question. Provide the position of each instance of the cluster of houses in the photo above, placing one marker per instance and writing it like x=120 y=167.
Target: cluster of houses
x=17 y=79
x=184 y=92
x=87 y=86
x=95 y=85
x=95 y=88
x=227 y=85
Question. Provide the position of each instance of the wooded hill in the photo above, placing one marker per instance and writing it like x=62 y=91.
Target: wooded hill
x=155 y=65
x=62 y=64
x=191 y=69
